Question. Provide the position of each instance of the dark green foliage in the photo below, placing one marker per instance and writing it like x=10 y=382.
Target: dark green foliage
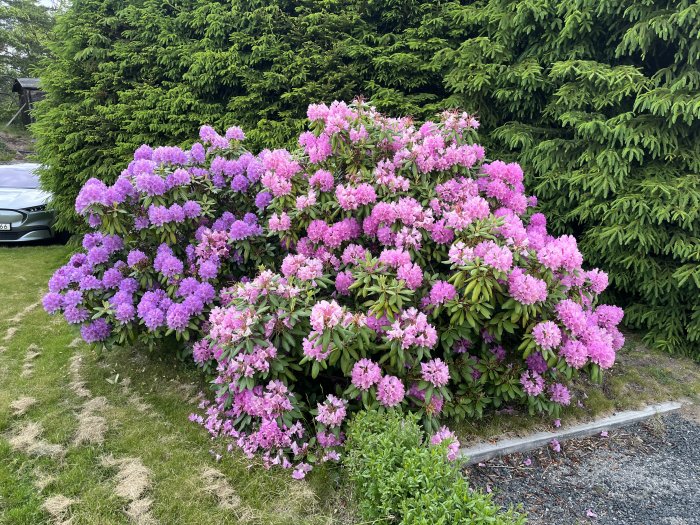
x=24 y=25
x=601 y=102
x=128 y=72
x=399 y=479
x=599 y=99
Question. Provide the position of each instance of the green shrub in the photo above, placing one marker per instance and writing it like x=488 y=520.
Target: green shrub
x=400 y=479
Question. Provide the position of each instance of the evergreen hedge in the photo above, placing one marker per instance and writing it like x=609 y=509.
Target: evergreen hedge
x=599 y=99
x=128 y=72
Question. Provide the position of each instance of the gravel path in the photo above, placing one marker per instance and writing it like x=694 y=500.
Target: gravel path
x=647 y=474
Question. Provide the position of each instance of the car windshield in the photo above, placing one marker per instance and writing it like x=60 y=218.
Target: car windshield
x=21 y=176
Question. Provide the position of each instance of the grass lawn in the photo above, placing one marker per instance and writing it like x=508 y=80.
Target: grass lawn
x=105 y=439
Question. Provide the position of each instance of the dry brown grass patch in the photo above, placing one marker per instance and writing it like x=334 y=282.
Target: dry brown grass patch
x=58 y=507
x=139 y=511
x=298 y=500
x=91 y=430
x=134 y=398
x=20 y=406
x=27 y=370
x=138 y=403
x=133 y=480
x=185 y=390
x=77 y=385
x=91 y=427
x=95 y=405
x=11 y=331
x=33 y=351
x=216 y=484
x=20 y=315
x=27 y=439
x=43 y=480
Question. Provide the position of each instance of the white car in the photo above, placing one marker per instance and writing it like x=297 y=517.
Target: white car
x=23 y=213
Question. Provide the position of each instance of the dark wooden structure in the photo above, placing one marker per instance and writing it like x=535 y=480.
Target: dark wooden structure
x=29 y=92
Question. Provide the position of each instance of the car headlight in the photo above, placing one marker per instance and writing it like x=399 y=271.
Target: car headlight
x=33 y=209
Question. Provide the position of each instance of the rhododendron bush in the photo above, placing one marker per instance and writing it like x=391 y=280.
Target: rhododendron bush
x=173 y=229
x=390 y=265
x=416 y=277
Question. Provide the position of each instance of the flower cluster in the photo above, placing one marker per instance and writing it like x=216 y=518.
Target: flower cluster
x=445 y=435
x=166 y=238
x=406 y=261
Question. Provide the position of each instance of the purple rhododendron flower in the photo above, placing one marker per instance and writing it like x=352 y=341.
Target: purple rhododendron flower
x=96 y=331
x=52 y=302
x=436 y=372
x=547 y=335
x=441 y=292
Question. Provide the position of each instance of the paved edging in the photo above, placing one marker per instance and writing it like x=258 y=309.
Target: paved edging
x=485 y=451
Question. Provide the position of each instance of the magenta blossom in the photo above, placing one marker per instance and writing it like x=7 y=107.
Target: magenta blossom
x=365 y=374
x=435 y=372
x=391 y=391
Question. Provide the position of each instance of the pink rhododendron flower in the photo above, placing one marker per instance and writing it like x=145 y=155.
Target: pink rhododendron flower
x=460 y=253
x=413 y=329
x=281 y=223
x=445 y=434
x=575 y=353
x=547 y=335
x=332 y=412
x=532 y=382
x=301 y=470
x=526 y=289
x=411 y=274
x=558 y=393
x=313 y=349
x=351 y=198
x=598 y=280
x=365 y=374
x=391 y=391
x=326 y=314
x=441 y=292
x=435 y=372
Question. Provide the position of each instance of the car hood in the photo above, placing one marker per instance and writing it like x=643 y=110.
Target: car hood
x=18 y=198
